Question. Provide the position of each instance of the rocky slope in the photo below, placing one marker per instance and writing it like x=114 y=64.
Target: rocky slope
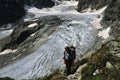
x=84 y=5
x=111 y=18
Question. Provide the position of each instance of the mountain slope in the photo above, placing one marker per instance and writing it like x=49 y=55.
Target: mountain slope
x=10 y=11
x=38 y=43
x=42 y=50
x=92 y=4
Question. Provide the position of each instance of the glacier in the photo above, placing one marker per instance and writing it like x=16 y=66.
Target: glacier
x=77 y=29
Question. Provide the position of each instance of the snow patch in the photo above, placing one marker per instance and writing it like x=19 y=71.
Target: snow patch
x=96 y=72
x=8 y=51
x=5 y=33
x=104 y=33
x=96 y=23
x=76 y=22
x=16 y=56
x=33 y=25
x=32 y=34
x=101 y=10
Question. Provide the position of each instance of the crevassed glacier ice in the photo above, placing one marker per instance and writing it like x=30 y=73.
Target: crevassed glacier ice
x=77 y=30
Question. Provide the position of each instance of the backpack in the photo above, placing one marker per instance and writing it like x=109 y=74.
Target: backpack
x=67 y=53
x=73 y=52
x=70 y=53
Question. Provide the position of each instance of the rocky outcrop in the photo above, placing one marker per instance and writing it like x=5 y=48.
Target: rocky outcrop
x=112 y=11
x=93 y=4
x=104 y=64
x=39 y=3
x=10 y=11
x=112 y=18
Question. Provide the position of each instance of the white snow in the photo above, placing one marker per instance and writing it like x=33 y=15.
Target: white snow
x=101 y=10
x=94 y=11
x=76 y=22
x=8 y=51
x=104 y=33
x=16 y=56
x=32 y=34
x=96 y=72
x=96 y=23
x=65 y=7
x=5 y=33
x=32 y=25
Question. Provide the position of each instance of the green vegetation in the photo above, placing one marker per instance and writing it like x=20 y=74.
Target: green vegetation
x=96 y=78
x=98 y=61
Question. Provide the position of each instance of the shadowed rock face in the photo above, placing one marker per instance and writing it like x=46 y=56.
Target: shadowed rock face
x=10 y=11
x=93 y=4
x=39 y=3
x=104 y=64
x=112 y=18
x=112 y=11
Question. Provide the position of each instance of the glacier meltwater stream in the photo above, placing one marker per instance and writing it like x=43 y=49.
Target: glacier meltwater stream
x=76 y=28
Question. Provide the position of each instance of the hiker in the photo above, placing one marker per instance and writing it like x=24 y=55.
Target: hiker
x=69 y=56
